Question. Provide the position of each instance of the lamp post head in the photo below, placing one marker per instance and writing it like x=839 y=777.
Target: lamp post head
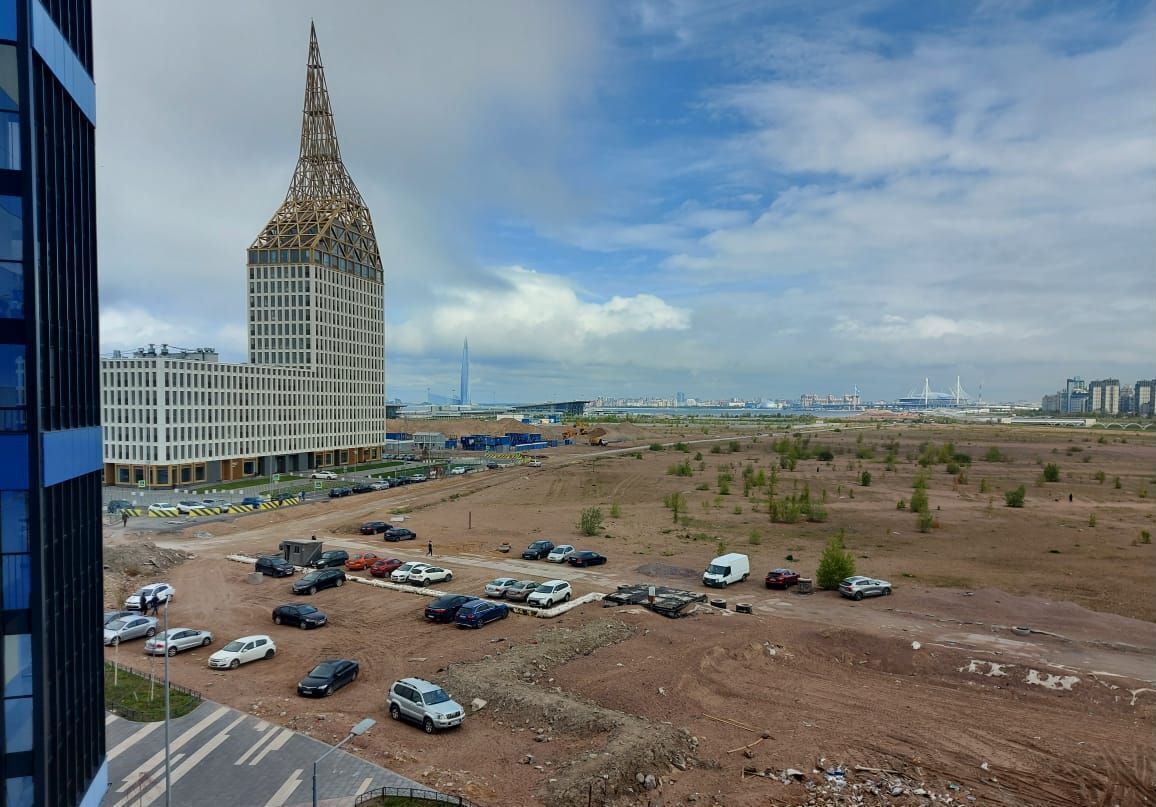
x=363 y=726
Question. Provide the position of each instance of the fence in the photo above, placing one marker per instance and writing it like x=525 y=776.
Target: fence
x=138 y=715
x=417 y=794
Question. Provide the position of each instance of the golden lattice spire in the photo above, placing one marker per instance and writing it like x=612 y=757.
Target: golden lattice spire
x=323 y=210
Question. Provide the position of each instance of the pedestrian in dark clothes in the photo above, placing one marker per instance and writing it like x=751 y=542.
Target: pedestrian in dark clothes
x=124 y=518
x=152 y=605
x=429 y=548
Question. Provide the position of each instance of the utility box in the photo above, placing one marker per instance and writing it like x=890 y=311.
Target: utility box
x=301 y=553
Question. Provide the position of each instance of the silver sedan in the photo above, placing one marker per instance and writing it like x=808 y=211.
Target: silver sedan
x=129 y=627
x=174 y=640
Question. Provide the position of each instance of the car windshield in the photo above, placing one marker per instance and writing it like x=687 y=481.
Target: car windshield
x=117 y=624
x=322 y=670
x=311 y=577
x=305 y=609
x=233 y=647
x=545 y=588
x=435 y=697
x=714 y=568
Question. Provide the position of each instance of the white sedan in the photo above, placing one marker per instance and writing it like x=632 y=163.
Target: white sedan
x=139 y=600
x=401 y=573
x=164 y=508
x=559 y=553
x=323 y=475
x=242 y=651
x=174 y=640
x=429 y=574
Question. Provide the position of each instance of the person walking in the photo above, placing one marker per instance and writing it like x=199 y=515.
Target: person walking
x=152 y=605
x=124 y=519
x=429 y=549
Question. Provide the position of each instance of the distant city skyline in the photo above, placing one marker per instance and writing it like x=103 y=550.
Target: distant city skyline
x=749 y=199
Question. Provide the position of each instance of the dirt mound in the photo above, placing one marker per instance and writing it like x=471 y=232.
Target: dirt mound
x=637 y=751
x=142 y=558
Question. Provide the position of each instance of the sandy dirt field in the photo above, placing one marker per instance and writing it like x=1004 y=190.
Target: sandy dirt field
x=929 y=688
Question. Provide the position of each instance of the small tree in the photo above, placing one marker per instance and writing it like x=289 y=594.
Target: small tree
x=590 y=522
x=615 y=510
x=676 y=502
x=1051 y=472
x=835 y=564
x=865 y=479
x=1015 y=498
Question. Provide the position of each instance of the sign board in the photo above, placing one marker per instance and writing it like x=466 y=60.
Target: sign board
x=276 y=477
x=140 y=483
x=317 y=485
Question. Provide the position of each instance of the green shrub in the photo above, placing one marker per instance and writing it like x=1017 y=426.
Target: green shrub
x=825 y=455
x=615 y=510
x=1015 y=498
x=901 y=504
x=865 y=479
x=919 y=502
x=1051 y=472
x=724 y=485
x=656 y=446
x=1116 y=483
x=681 y=469
x=698 y=456
x=835 y=564
x=734 y=446
x=682 y=447
x=590 y=522
x=1145 y=537
x=925 y=521
x=737 y=510
x=984 y=487
x=676 y=503
x=1092 y=520
x=715 y=450
x=755 y=539
x=952 y=468
x=993 y=455
x=720 y=548
x=816 y=513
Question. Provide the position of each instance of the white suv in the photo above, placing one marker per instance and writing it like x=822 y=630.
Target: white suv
x=424 y=703
x=429 y=574
x=558 y=554
x=139 y=600
x=550 y=593
x=401 y=573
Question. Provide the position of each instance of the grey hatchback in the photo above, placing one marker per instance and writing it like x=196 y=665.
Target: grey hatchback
x=425 y=704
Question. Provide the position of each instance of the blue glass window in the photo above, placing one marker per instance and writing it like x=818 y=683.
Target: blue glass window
x=18 y=791
x=18 y=724
x=11 y=229
x=17 y=582
x=9 y=109
x=17 y=665
x=11 y=290
x=12 y=389
x=14 y=520
x=8 y=19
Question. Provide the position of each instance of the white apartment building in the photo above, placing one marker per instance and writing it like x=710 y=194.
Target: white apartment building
x=312 y=393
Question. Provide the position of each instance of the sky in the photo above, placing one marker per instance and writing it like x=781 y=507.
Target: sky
x=721 y=198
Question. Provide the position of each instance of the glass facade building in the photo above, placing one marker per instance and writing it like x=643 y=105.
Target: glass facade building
x=52 y=724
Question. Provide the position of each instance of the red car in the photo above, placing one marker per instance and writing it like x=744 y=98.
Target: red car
x=781 y=578
x=362 y=561
x=385 y=567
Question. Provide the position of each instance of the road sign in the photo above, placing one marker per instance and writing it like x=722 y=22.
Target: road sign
x=317 y=485
x=140 y=483
x=276 y=477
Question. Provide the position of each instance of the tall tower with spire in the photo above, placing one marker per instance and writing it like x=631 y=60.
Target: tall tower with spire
x=464 y=391
x=316 y=287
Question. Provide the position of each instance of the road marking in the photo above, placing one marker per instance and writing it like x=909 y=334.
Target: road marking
x=178 y=772
x=109 y=719
x=283 y=793
x=264 y=738
x=157 y=758
x=365 y=783
x=276 y=745
x=132 y=740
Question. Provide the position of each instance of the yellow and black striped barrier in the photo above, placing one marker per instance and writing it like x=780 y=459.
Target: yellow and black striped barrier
x=197 y=512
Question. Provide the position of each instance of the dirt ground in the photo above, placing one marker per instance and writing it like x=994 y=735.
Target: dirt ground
x=929 y=688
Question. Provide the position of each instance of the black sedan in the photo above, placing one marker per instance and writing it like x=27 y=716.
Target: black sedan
x=400 y=534
x=373 y=527
x=585 y=558
x=363 y=487
x=337 y=493
x=303 y=616
x=315 y=581
x=328 y=677
x=444 y=609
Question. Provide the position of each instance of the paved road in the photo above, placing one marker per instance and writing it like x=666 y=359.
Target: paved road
x=227 y=758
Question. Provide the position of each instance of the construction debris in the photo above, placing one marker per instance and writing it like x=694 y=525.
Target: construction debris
x=670 y=602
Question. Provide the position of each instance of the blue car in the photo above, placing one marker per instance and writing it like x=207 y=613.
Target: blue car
x=476 y=613
x=253 y=501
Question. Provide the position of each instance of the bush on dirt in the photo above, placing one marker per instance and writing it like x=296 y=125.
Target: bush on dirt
x=1015 y=498
x=590 y=522
x=835 y=564
x=1051 y=472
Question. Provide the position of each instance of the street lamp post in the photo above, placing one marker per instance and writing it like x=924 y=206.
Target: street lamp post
x=362 y=727
x=168 y=781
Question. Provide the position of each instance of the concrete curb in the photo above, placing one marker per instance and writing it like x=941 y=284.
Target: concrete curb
x=516 y=608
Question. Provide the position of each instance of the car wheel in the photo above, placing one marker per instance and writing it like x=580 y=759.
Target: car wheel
x=726 y=583
x=151 y=632
x=276 y=620
x=549 y=603
x=566 y=598
x=303 y=625
x=340 y=582
x=270 y=653
x=206 y=642
x=449 y=577
x=505 y=613
x=234 y=664
x=312 y=590
x=886 y=592
x=325 y=693
x=428 y=725
x=394 y=712
x=172 y=651
x=115 y=641
x=354 y=678
x=858 y=595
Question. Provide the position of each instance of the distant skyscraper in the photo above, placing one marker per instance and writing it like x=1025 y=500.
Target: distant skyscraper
x=52 y=723
x=464 y=392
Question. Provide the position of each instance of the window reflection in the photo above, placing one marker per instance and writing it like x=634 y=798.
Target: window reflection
x=11 y=290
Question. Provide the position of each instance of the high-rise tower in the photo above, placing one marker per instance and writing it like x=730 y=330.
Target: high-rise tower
x=313 y=392
x=464 y=393
x=52 y=723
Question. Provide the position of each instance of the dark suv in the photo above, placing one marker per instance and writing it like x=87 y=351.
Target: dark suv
x=330 y=558
x=538 y=550
x=337 y=493
x=274 y=566
x=317 y=580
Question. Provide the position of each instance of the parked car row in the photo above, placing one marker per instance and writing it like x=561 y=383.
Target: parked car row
x=547 y=594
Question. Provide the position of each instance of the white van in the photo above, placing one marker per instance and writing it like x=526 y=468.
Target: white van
x=727 y=569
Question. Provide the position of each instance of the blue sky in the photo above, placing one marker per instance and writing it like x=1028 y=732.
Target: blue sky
x=720 y=198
